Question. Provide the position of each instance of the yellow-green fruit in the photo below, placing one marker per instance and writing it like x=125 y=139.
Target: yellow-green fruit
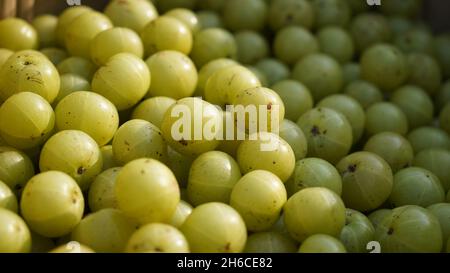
x=14 y=234
x=184 y=209
x=322 y=243
x=101 y=192
x=55 y=55
x=78 y=66
x=130 y=13
x=269 y=242
x=4 y=55
x=71 y=83
x=153 y=109
x=208 y=70
x=17 y=34
x=16 y=168
x=8 y=199
x=72 y=247
x=45 y=26
x=65 y=18
x=187 y=17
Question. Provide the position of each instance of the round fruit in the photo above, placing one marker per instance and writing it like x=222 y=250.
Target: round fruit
x=52 y=204
x=269 y=242
x=352 y=72
x=153 y=109
x=74 y=153
x=294 y=136
x=259 y=197
x=113 y=41
x=187 y=17
x=296 y=98
x=328 y=133
x=108 y=157
x=314 y=172
x=173 y=75
x=131 y=14
x=138 y=138
x=251 y=46
x=184 y=209
x=65 y=19
x=78 y=66
x=14 y=234
x=45 y=26
x=357 y=232
x=369 y=29
x=320 y=73
x=101 y=192
x=416 y=186
x=273 y=69
x=428 y=138
x=385 y=117
x=26 y=120
x=385 y=66
x=71 y=83
x=366 y=180
x=16 y=168
x=407 y=8
x=314 y=211
x=337 y=43
x=147 y=191
x=26 y=71
x=415 y=40
x=378 y=215
x=55 y=55
x=290 y=12
x=82 y=111
x=124 y=80
x=82 y=30
x=305 y=43
x=331 y=12
x=442 y=211
x=208 y=70
x=166 y=33
x=209 y=19
x=212 y=176
x=215 y=227
x=322 y=243
x=192 y=126
x=8 y=199
x=436 y=161
x=180 y=165
x=158 y=238
x=17 y=34
x=244 y=15
x=409 y=229
x=364 y=92
x=266 y=151
x=106 y=230
x=72 y=247
x=393 y=148
x=424 y=72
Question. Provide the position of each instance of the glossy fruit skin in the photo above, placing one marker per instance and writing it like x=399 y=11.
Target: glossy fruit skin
x=436 y=161
x=223 y=86
x=385 y=66
x=26 y=120
x=113 y=41
x=334 y=12
x=70 y=83
x=187 y=17
x=16 y=168
x=108 y=157
x=251 y=46
x=290 y=12
x=314 y=211
x=273 y=69
x=366 y=180
x=424 y=72
x=314 y=172
x=337 y=43
x=289 y=35
x=26 y=71
x=65 y=18
x=173 y=75
x=364 y=92
x=153 y=109
x=322 y=243
x=441 y=211
x=310 y=71
x=328 y=133
x=395 y=235
x=212 y=43
x=209 y=114
x=78 y=66
x=294 y=136
x=236 y=14
x=14 y=233
x=208 y=70
x=8 y=199
x=212 y=177
x=81 y=110
x=92 y=23
x=251 y=155
x=296 y=98
x=357 y=232
x=101 y=192
x=17 y=34
x=74 y=153
x=157 y=238
x=428 y=137
x=136 y=139
x=71 y=248
x=131 y=14
x=106 y=230
x=364 y=36
x=259 y=197
x=166 y=33
x=135 y=189
x=45 y=26
x=269 y=242
x=183 y=210
x=377 y=216
x=52 y=204
x=124 y=80
x=351 y=109
x=392 y=147
x=385 y=117
x=215 y=227
x=416 y=186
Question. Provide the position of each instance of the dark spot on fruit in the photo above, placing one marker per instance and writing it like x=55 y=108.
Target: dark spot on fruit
x=183 y=142
x=126 y=143
x=227 y=247
x=315 y=131
x=18 y=187
x=289 y=18
x=74 y=201
x=27 y=63
x=273 y=162
x=390 y=231
x=351 y=168
x=142 y=172
x=158 y=249
x=81 y=170
x=325 y=131
x=269 y=106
